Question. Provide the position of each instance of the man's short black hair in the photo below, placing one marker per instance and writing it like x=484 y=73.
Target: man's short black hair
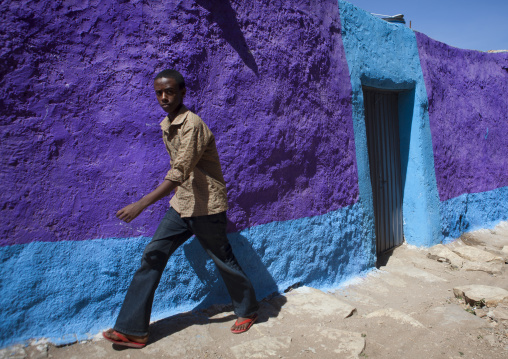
x=172 y=74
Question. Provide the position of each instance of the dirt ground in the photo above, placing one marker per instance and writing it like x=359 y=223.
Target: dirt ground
x=406 y=308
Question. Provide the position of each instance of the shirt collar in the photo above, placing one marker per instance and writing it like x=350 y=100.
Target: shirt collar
x=180 y=117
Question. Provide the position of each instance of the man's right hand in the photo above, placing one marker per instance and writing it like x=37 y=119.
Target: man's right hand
x=133 y=210
x=130 y=212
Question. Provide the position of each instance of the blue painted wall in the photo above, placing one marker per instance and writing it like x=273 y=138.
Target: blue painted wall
x=472 y=211
x=68 y=291
x=385 y=56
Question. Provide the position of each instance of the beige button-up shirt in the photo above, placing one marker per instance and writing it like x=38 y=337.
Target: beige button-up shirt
x=195 y=164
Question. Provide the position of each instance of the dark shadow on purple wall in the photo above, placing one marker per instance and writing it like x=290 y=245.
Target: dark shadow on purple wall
x=224 y=15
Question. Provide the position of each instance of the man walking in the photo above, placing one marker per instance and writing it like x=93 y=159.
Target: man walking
x=197 y=208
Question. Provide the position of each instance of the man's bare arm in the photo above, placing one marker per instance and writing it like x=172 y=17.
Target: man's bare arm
x=131 y=211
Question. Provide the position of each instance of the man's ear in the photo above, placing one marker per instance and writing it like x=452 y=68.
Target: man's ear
x=184 y=91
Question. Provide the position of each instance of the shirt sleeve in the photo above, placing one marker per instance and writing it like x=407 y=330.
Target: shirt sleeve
x=193 y=143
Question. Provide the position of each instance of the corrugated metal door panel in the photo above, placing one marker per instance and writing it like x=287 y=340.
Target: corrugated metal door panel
x=382 y=125
x=397 y=183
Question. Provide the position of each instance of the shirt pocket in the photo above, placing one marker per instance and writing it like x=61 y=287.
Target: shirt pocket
x=173 y=140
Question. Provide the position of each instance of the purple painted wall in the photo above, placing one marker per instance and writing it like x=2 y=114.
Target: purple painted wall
x=468 y=111
x=79 y=122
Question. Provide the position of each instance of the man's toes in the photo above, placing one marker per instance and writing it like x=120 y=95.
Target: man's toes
x=110 y=334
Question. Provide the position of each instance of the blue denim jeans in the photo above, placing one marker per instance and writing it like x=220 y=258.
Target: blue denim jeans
x=173 y=231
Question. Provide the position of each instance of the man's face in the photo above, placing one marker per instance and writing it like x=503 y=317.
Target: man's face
x=168 y=94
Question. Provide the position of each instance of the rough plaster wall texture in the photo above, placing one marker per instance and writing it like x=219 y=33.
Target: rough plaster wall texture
x=472 y=211
x=468 y=111
x=385 y=55
x=80 y=134
x=78 y=126
x=49 y=291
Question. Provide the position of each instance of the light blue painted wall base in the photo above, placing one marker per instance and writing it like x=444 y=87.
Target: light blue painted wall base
x=68 y=291
x=472 y=211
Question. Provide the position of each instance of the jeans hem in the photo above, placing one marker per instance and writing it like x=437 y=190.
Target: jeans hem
x=250 y=313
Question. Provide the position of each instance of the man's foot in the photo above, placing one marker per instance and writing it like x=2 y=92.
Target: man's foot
x=131 y=341
x=243 y=324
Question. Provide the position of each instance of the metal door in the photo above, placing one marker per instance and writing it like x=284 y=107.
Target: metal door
x=382 y=125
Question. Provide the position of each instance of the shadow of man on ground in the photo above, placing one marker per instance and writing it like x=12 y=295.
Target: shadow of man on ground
x=215 y=297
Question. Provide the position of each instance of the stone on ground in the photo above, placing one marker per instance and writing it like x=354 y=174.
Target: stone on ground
x=13 y=352
x=416 y=273
x=397 y=315
x=180 y=344
x=357 y=296
x=262 y=347
x=452 y=316
x=501 y=229
x=317 y=303
x=444 y=254
x=499 y=314
x=488 y=267
x=474 y=294
x=487 y=240
x=346 y=344
x=393 y=280
x=474 y=254
x=322 y=343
